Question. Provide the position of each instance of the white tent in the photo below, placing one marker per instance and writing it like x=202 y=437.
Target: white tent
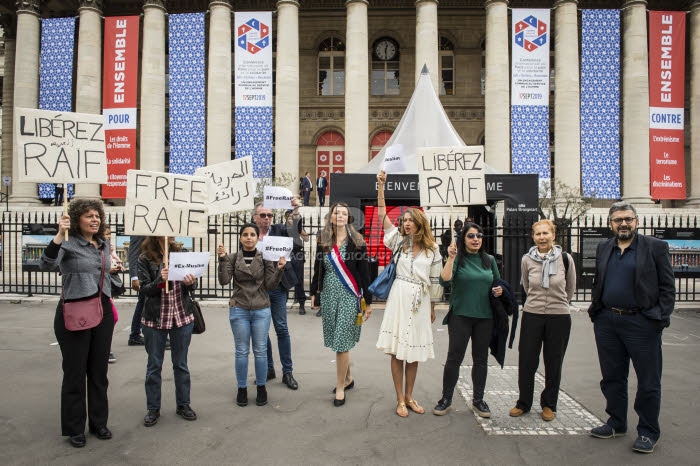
x=424 y=124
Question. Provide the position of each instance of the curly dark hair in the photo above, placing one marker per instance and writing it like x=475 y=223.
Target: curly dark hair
x=462 y=249
x=152 y=250
x=78 y=207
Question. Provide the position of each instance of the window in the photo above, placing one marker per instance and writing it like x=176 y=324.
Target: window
x=447 y=67
x=331 y=67
x=385 y=67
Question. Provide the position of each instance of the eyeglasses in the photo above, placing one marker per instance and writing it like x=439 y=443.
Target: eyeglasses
x=265 y=215
x=475 y=235
x=618 y=221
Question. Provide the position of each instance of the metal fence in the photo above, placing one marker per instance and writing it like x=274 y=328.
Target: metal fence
x=24 y=235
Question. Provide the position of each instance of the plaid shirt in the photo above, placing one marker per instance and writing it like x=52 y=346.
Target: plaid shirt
x=172 y=310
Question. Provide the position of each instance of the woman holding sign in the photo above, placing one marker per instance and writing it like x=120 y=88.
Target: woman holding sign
x=249 y=307
x=83 y=261
x=406 y=333
x=165 y=313
x=341 y=276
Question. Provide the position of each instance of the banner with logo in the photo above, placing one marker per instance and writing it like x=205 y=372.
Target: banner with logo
x=119 y=93
x=666 y=104
x=187 y=92
x=529 y=111
x=56 y=75
x=600 y=103
x=253 y=89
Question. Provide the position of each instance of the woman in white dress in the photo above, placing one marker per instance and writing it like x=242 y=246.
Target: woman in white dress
x=406 y=332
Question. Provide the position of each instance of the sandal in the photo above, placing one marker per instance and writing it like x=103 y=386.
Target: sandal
x=401 y=410
x=415 y=407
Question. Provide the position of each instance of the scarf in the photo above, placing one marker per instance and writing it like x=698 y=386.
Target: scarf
x=549 y=262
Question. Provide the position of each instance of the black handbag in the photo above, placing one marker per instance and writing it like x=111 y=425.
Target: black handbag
x=199 y=325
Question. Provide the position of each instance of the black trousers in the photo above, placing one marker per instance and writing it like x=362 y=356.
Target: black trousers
x=461 y=329
x=538 y=331
x=299 y=293
x=85 y=354
x=322 y=197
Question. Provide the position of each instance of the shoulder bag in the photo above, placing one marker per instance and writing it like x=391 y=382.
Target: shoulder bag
x=199 y=325
x=85 y=313
x=381 y=286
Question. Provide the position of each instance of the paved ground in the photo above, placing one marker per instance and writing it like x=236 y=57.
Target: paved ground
x=303 y=427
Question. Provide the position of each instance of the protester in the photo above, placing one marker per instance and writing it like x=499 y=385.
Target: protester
x=262 y=216
x=406 y=332
x=633 y=297
x=165 y=313
x=298 y=257
x=341 y=276
x=471 y=272
x=549 y=279
x=249 y=307
x=83 y=261
x=135 y=338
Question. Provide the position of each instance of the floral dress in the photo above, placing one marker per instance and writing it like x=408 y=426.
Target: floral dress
x=406 y=330
x=338 y=310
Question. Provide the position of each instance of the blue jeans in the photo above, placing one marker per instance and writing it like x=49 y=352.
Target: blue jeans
x=620 y=338
x=136 y=320
x=154 y=342
x=278 y=305
x=246 y=324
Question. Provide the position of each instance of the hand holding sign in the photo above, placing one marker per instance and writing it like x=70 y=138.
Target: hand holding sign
x=282 y=262
x=187 y=263
x=275 y=197
x=272 y=247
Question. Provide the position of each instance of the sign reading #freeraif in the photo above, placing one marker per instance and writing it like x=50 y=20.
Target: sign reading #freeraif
x=451 y=175
x=276 y=197
x=232 y=189
x=60 y=147
x=165 y=204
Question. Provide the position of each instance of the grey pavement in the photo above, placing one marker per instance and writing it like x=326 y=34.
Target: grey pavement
x=303 y=427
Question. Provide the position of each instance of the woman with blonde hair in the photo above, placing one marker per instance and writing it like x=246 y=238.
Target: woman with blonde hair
x=406 y=332
x=341 y=276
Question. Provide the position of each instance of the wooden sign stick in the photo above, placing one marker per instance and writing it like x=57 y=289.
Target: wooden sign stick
x=165 y=262
x=65 y=211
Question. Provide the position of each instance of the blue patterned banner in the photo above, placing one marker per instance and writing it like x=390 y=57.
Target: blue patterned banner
x=56 y=75
x=187 y=93
x=253 y=90
x=529 y=111
x=600 y=103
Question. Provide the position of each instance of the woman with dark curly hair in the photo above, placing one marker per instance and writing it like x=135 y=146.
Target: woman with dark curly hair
x=82 y=260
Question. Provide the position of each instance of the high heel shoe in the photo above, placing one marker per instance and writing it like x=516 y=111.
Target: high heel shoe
x=337 y=402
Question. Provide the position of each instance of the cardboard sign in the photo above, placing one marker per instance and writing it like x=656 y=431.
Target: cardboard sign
x=274 y=247
x=451 y=175
x=233 y=189
x=165 y=204
x=182 y=263
x=394 y=161
x=60 y=147
x=275 y=197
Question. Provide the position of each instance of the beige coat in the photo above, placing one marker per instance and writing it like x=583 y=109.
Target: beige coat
x=552 y=300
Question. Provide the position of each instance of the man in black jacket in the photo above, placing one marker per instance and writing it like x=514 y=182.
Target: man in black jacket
x=633 y=298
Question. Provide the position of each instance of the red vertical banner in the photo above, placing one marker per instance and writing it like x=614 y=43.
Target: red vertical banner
x=119 y=94
x=666 y=101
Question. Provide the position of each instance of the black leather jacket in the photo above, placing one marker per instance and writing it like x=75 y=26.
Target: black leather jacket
x=150 y=278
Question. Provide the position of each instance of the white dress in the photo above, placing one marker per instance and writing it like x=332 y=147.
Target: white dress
x=406 y=330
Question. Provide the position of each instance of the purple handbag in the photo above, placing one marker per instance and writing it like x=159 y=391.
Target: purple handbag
x=85 y=313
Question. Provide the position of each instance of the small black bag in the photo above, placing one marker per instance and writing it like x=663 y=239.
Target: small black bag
x=117 y=285
x=199 y=325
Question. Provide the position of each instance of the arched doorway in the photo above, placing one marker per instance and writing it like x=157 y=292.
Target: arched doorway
x=330 y=155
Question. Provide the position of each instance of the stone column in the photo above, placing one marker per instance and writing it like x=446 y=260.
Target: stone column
x=356 y=86
x=567 y=110
x=427 y=40
x=26 y=84
x=8 y=26
x=497 y=101
x=219 y=83
x=152 y=121
x=635 y=103
x=287 y=96
x=88 y=97
x=694 y=64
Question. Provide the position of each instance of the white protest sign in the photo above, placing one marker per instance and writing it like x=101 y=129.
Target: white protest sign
x=394 y=161
x=233 y=185
x=182 y=263
x=165 y=204
x=451 y=175
x=274 y=247
x=275 y=197
x=60 y=147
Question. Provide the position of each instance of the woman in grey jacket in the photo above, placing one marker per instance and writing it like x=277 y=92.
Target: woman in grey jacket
x=549 y=281
x=249 y=307
x=81 y=261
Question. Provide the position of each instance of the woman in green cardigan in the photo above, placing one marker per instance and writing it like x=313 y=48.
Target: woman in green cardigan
x=471 y=272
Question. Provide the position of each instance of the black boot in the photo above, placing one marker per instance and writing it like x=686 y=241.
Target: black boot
x=261 y=399
x=302 y=311
x=242 y=397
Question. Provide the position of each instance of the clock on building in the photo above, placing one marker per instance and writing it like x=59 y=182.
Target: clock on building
x=386 y=49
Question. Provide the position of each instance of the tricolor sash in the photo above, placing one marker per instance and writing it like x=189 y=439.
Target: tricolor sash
x=346 y=278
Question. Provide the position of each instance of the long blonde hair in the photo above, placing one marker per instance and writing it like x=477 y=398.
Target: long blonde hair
x=423 y=235
x=327 y=237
